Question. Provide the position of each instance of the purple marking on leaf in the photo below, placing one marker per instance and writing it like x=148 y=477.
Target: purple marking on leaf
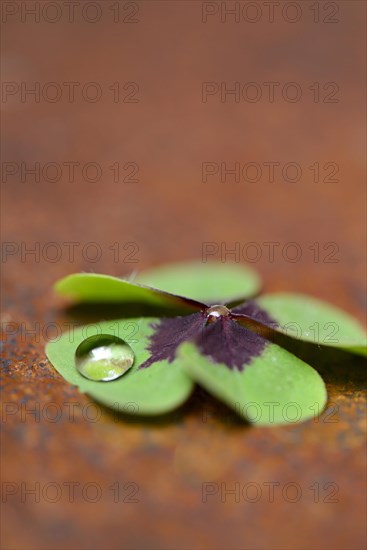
x=253 y=311
x=227 y=342
x=169 y=333
x=224 y=340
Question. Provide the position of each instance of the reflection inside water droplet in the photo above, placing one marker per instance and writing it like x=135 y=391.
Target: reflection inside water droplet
x=103 y=357
x=215 y=312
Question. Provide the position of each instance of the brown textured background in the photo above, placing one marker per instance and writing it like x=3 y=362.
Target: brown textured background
x=169 y=213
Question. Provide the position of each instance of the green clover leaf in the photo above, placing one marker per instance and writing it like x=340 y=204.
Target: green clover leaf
x=207 y=282
x=221 y=348
x=306 y=318
x=156 y=390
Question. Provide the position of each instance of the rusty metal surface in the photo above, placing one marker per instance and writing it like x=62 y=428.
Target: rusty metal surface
x=103 y=481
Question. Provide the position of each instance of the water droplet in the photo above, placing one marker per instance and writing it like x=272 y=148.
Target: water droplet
x=103 y=357
x=214 y=312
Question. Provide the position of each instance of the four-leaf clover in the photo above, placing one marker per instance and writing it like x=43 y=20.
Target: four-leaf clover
x=219 y=341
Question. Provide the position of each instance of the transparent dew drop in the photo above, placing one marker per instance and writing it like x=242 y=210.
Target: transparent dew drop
x=213 y=313
x=103 y=357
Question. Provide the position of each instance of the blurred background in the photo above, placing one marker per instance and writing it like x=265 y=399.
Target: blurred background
x=136 y=133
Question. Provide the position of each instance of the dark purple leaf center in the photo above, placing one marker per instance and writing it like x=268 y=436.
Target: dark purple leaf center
x=216 y=333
